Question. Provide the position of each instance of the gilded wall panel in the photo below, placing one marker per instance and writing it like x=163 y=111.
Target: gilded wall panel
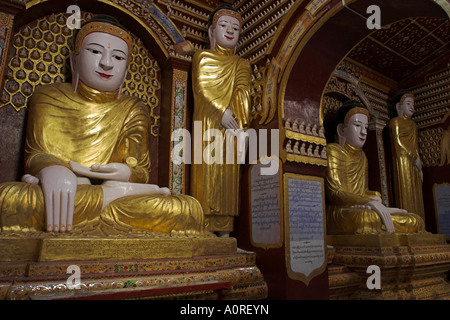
x=6 y=22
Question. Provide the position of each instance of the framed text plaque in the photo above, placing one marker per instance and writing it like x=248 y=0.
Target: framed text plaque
x=441 y=193
x=304 y=206
x=265 y=208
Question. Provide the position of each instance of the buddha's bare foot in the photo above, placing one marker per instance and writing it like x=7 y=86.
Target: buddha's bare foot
x=223 y=234
x=28 y=178
x=396 y=210
x=113 y=190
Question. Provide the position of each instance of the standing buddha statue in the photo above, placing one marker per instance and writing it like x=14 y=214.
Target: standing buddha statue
x=222 y=87
x=407 y=165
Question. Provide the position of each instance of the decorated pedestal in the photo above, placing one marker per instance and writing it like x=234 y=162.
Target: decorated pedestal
x=342 y=282
x=411 y=266
x=154 y=268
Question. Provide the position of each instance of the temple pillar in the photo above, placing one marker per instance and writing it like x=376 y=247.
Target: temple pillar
x=11 y=120
x=6 y=21
x=375 y=150
x=174 y=112
x=8 y=9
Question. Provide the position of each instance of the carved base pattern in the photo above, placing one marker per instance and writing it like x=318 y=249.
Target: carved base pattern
x=48 y=280
x=343 y=282
x=409 y=270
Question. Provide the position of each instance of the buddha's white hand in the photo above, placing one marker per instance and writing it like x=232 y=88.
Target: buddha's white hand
x=419 y=163
x=419 y=166
x=111 y=171
x=384 y=213
x=59 y=185
x=228 y=121
x=242 y=143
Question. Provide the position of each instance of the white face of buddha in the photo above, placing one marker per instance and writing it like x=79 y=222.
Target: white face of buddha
x=226 y=33
x=406 y=108
x=102 y=61
x=355 y=133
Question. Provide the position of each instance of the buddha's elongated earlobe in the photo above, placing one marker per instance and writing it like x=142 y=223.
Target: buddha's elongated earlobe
x=75 y=80
x=399 y=109
x=340 y=133
x=212 y=41
x=121 y=86
x=75 y=74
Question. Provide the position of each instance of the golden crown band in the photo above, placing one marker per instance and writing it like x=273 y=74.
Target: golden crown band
x=406 y=95
x=105 y=28
x=226 y=12
x=353 y=111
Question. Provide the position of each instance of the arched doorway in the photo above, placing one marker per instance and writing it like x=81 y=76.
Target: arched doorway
x=339 y=58
x=306 y=54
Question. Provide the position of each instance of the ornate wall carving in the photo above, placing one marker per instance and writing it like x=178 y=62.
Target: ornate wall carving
x=261 y=22
x=353 y=82
x=6 y=22
x=432 y=99
x=430 y=146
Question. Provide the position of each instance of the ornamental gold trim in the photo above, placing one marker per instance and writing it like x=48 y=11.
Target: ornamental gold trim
x=304 y=137
x=307 y=160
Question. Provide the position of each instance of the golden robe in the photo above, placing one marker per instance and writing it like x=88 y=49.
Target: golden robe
x=405 y=150
x=347 y=185
x=221 y=80
x=92 y=127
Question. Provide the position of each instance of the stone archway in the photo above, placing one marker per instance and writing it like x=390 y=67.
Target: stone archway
x=312 y=52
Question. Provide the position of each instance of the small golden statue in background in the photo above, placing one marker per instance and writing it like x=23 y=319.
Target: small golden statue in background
x=407 y=165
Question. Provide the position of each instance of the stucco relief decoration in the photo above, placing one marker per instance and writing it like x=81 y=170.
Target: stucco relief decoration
x=258 y=79
x=178 y=122
x=6 y=21
x=154 y=18
x=343 y=87
x=430 y=146
x=305 y=137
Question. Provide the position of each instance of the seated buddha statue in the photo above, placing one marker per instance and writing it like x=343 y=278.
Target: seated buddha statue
x=352 y=207
x=87 y=131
